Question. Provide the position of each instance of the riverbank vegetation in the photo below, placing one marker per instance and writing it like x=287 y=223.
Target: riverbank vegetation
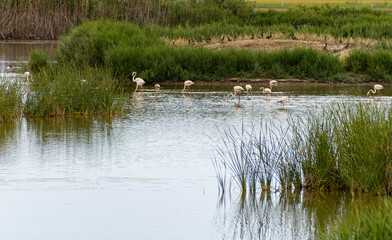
x=345 y=146
x=50 y=19
x=121 y=48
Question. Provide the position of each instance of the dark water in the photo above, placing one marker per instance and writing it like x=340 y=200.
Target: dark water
x=148 y=174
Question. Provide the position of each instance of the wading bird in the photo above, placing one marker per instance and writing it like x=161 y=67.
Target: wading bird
x=376 y=88
x=139 y=82
x=188 y=83
x=265 y=90
x=283 y=100
x=157 y=87
x=236 y=90
x=26 y=74
x=273 y=83
x=248 y=88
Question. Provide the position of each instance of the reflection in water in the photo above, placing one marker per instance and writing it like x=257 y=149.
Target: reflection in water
x=287 y=215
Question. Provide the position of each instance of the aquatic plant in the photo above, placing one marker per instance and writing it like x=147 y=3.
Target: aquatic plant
x=11 y=101
x=38 y=60
x=343 y=146
x=67 y=91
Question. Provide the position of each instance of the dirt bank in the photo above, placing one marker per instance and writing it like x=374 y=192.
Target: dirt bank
x=339 y=47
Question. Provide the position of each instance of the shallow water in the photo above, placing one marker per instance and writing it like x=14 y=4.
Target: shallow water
x=148 y=174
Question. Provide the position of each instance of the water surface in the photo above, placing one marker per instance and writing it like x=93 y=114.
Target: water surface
x=148 y=174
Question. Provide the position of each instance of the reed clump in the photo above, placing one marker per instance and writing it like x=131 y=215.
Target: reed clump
x=343 y=147
x=11 y=101
x=64 y=91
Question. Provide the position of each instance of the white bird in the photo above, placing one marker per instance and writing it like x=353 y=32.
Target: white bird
x=248 y=88
x=283 y=100
x=139 y=82
x=236 y=90
x=26 y=74
x=265 y=90
x=157 y=87
x=273 y=83
x=377 y=87
x=188 y=83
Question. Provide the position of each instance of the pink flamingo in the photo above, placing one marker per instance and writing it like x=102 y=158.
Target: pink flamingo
x=188 y=83
x=265 y=90
x=248 y=88
x=376 y=87
x=138 y=81
x=237 y=89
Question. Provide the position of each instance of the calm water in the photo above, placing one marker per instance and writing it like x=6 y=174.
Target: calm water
x=148 y=174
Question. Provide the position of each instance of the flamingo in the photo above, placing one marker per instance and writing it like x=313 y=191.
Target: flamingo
x=248 y=88
x=188 y=83
x=157 y=87
x=26 y=74
x=265 y=90
x=376 y=87
x=283 y=100
x=138 y=81
x=273 y=83
x=237 y=89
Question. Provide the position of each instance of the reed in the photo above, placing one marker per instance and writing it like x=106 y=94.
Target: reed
x=63 y=91
x=343 y=147
x=11 y=101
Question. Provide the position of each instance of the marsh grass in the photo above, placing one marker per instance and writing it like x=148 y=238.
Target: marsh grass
x=66 y=91
x=346 y=146
x=11 y=101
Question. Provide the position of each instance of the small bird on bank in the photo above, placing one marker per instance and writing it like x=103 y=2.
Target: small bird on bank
x=222 y=39
x=228 y=38
x=253 y=36
x=269 y=36
x=325 y=47
x=261 y=36
x=347 y=46
x=294 y=37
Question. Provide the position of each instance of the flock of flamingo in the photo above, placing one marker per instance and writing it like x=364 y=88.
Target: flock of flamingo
x=236 y=89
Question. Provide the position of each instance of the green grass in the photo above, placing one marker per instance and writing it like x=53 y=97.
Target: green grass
x=11 y=101
x=62 y=91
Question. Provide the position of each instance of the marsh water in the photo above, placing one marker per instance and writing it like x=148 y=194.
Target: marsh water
x=148 y=174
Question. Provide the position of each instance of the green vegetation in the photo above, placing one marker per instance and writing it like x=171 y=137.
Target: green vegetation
x=11 y=103
x=56 y=18
x=364 y=222
x=64 y=91
x=342 y=147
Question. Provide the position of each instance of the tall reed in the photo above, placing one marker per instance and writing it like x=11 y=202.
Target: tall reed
x=344 y=146
x=11 y=101
x=64 y=91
